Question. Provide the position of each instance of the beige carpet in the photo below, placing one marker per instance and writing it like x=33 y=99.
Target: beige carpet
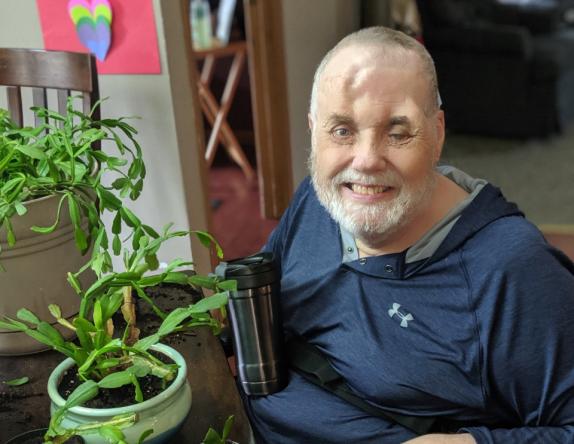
x=536 y=174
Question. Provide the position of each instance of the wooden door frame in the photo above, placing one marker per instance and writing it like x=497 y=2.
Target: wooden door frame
x=268 y=80
x=188 y=120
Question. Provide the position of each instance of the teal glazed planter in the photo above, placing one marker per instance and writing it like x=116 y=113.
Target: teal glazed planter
x=163 y=413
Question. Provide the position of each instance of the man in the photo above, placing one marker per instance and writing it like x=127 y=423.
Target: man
x=425 y=289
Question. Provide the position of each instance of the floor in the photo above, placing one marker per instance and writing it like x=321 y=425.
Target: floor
x=237 y=223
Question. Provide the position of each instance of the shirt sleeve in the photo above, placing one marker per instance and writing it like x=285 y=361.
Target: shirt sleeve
x=525 y=321
x=558 y=435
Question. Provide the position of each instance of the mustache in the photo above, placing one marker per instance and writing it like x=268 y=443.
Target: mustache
x=388 y=178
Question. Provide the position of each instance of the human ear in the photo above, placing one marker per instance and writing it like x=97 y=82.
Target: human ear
x=440 y=134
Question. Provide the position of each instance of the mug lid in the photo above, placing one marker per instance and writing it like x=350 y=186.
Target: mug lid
x=250 y=271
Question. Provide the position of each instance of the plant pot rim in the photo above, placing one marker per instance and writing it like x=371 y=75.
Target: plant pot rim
x=176 y=385
x=39 y=199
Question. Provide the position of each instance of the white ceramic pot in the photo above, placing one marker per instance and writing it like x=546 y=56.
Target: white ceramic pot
x=163 y=413
x=36 y=272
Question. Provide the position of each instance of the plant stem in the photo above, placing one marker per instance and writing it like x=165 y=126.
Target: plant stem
x=129 y=313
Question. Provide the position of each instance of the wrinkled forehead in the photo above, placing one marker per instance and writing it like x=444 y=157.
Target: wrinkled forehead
x=389 y=78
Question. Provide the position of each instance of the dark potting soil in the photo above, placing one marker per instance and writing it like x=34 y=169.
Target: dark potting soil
x=117 y=397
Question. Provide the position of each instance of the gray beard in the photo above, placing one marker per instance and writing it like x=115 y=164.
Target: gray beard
x=374 y=222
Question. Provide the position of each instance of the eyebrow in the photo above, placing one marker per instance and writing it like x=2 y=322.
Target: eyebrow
x=338 y=119
x=399 y=121
x=342 y=119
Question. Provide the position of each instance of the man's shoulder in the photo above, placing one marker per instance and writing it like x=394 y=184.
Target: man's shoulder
x=306 y=197
x=512 y=245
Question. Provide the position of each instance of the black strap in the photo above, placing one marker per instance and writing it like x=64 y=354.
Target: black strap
x=310 y=363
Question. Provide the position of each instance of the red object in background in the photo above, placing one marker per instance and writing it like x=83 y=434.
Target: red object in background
x=134 y=48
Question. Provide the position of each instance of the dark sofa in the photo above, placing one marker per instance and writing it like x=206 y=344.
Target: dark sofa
x=503 y=69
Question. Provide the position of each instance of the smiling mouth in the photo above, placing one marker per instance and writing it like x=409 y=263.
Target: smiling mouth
x=367 y=189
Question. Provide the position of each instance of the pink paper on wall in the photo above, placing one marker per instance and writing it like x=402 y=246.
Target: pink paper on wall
x=134 y=48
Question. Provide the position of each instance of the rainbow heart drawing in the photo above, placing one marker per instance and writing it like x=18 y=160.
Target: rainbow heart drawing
x=93 y=22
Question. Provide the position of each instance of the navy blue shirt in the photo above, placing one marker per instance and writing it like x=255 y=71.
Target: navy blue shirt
x=481 y=332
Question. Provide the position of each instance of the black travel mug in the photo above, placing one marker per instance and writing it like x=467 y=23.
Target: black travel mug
x=255 y=318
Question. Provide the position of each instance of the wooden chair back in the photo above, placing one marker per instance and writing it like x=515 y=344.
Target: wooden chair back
x=65 y=72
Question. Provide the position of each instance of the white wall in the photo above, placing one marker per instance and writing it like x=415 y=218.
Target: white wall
x=311 y=28
x=146 y=96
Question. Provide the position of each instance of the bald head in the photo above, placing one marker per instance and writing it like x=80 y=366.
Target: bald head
x=392 y=48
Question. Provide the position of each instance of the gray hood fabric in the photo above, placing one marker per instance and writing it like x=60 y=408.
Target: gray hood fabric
x=429 y=243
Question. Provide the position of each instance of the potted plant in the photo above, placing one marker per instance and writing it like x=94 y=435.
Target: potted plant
x=51 y=200
x=105 y=360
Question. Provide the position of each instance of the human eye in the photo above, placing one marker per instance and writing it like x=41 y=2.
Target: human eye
x=399 y=137
x=341 y=133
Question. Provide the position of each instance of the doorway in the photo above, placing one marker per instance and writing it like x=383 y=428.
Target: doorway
x=245 y=208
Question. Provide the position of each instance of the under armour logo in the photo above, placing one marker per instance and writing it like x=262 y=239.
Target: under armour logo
x=404 y=317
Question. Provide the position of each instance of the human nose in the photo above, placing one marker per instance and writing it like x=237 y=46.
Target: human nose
x=369 y=155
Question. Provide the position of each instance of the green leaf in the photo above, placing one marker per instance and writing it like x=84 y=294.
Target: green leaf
x=128 y=275
x=176 y=277
x=18 y=381
x=97 y=315
x=207 y=304
x=82 y=331
x=134 y=169
x=119 y=183
x=115 y=380
x=111 y=346
x=74 y=210
x=112 y=434
x=116 y=162
x=50 y=332
x=84 y=324
x=108 y=200
x=26 y=315
x=144 y=435
x=145 y=343
x=138 y=390
x=117 y=224
x=203 y=281
x=149 y=281
x=82 y=394
x=108 y=363
x=129 y=218
x=32 y=151
x=150 y=231
x=99 y=284
x=138 y=234
x=207 y=240
x=10 y=236
x=229 y=285
x=114 y=303
x=42 y=338
x=173 y=320
x=116 y=245
x=211 y=437
x=75 y=216
x=152 y=261
x=75 y=283
x=139 y=370
x=20 y=209
x=55 y=311
x=227 y=427
x=51 y=228
x=13 y=325
x=80 y=239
